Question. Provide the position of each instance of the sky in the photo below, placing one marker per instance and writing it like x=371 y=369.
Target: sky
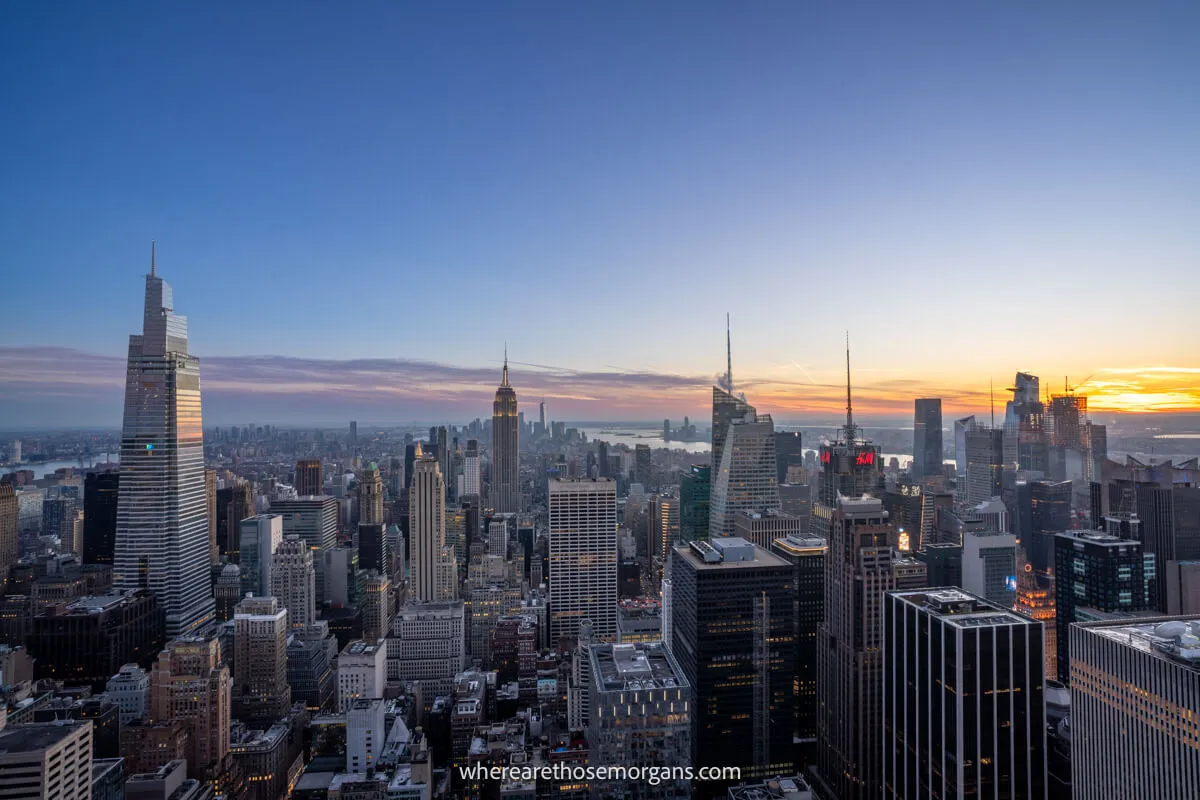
x=359 y=204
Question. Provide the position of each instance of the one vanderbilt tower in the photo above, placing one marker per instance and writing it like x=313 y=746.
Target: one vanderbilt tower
x=162 y=530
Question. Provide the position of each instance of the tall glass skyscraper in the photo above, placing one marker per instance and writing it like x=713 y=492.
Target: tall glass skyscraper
x=162 y=529
x=927 y=437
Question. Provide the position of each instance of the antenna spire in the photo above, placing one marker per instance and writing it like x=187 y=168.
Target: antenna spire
x=992 y=401
x=152 y=266
x=504 y=382
x=849 y=404
x=728 y=356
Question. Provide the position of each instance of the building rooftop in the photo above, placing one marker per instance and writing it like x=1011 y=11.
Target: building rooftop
x=961 y=609
x=34 y=736
x=361 y=647
x=1173 y=639
x=1096 y=537
x=100 y=603
x=801 y=545
x=643 y=665
x=792 y=787
x=727 y=552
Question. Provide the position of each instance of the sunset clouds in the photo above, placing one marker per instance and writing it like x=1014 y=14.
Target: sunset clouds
x=87 y=388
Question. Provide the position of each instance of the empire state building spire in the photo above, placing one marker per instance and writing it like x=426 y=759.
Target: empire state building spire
x=505 y=488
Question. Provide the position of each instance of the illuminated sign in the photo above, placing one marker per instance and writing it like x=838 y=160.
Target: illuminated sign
x=1010 y=583
x=826 y=456
x=865 y=459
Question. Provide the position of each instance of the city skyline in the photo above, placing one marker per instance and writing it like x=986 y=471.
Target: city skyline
x=1021 y=164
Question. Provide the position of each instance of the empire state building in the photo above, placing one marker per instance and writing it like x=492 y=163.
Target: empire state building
x=162 y=525
x=505 y=486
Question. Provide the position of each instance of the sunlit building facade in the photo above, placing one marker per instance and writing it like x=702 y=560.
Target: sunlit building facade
x=162 y=526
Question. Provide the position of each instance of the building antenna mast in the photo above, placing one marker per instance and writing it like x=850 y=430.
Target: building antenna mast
x=728 y=356
x=849 y=405
x=152 y=267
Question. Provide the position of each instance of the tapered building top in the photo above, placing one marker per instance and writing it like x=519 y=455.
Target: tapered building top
x=505 y=486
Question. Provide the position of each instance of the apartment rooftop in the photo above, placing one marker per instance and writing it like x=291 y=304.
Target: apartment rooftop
x=361 y=647
x=645 y=665
x=1096 y=537
x=1173 y=639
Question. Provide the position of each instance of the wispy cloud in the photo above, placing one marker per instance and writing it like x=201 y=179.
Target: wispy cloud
x=397 y=389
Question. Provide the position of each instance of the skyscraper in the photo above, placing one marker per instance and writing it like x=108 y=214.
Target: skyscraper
x=1097 y=571
x=430 y=559
x=505 y=489
x=789 y=452
x=732 y=632
x=985 y=463
x=850 y=466
x=745 y=478
x=583 y=557
x=643 y=472
x=260 y=693
x=162 y=530
x=807 y=556
x=308 y=477
x=313 y=519
x=235 y=502
x=471 y=480
x=294 y=581
x=10 y=529
x=370 y=496
x=989 y=566
x=1026 y=439
x=1135 y=708
x=927 y=438
x=695 y=484
x=210 y=513
x=963 y=698
x=862 y=564
x=260 y=535
x=188 y=683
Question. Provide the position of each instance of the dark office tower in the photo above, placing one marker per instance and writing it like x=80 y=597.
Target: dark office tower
x=602 y=460
x=927 y=438
x=373 y=547
x=353 y=438
x=726 y=408
x=963 y=699
x=861 y=565
x=788 y=453
x=807 y=555
x=505 y=490
x=985 y=464
x=642 y=470
x=99 y=516
x=162 y=529
x=87 y=641
x=234 y=504
x=733 y=634
x=308 y=477
x=1026 y=438
x=1097 y=571
x=315 y=520
x=410 y=456
x=1043 y=510
x=694 y=486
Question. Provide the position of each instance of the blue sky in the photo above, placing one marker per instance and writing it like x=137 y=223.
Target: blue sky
x=970 y=188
